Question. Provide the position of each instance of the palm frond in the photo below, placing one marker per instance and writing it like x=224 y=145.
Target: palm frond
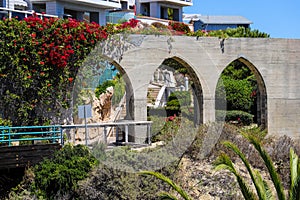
x=295 y=190
x=295 y=176
x=224 y=162
x=269 y=164
x=266 y=192
x=255 y=176
x=165 y=179
x=293 y=166
x=166 y=196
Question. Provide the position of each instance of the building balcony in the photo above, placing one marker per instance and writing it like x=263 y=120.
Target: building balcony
x=106 y=4
x=174 y=2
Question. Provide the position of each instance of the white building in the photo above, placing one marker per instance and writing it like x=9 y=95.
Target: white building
x=163 y=9
x=97 y=10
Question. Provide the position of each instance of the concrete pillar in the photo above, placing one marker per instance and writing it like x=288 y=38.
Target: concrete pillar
x=102 y=17
x=208 y=110
x=154 y=9
x=55 y=8
x=180 y=14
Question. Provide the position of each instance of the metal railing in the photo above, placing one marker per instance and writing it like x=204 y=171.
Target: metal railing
x=19 y=134
x=106 y=125
x=55 y=134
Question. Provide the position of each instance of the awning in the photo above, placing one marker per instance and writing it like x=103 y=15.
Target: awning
x=20 y=3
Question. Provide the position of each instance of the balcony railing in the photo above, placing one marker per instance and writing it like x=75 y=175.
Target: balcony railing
x=178 y=2
x=10 y=13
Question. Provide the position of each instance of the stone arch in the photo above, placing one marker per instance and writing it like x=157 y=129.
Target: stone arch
x=128 y=90
x=262 y=106
x=261 y=101
x=197 y=90
x=128 y=85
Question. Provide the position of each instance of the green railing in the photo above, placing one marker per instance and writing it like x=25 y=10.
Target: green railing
x=47 y=134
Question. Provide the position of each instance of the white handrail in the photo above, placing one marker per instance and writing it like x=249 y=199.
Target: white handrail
x=10 y=11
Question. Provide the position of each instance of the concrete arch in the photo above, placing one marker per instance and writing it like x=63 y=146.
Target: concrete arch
x=274 y=61
x=262 y=111
x=197 y=90
x=262 y=104
x=128 y=90
x=87 y=68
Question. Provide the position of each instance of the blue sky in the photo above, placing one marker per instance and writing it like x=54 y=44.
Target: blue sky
x=279 y=18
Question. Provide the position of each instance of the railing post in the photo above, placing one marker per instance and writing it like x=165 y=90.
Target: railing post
x=117 y=134
x=9 y=138
x=149 y=133
x=126 y=133
x=61 y=137
x=104 y=134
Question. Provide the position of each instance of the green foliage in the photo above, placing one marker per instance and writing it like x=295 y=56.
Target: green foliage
x=61 y=173
x=166 y=130
x=5 y=122
x=236 y=116
x=159 y=25
x=38 y=62
x=236 y=32
x=183 y=97
x=236 y=94
x=176 y=101
x=180 y=27
x=113 y=178
x=172 y=63
x=263 y=191
x=119 y=90
x=102 y=87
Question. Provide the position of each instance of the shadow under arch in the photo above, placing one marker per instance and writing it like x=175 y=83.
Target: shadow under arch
x=262 y=106
x=261 y=93
x=196 y=88
x=128 y=90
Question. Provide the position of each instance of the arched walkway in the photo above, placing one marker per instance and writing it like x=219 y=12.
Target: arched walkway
x=275 y=63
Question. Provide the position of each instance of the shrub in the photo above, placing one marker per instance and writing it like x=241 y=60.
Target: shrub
x=5 y=122
x=232 y=32
x=180 y=27
x=42 y=58
x=240 y=117
x=183 y=97
x=159 y=25
x=177 y=100
x=102 y=87
x=61 y=173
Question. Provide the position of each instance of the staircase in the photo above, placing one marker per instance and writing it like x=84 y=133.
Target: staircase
x=153 y=91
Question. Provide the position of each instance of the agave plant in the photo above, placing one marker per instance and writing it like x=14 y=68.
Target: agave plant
x=166 y=195
x=263 y=191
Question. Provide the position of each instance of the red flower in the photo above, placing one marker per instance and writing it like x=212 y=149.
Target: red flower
x=70 y=79
x=28 y=76
x=21 y=49
x=42 y=63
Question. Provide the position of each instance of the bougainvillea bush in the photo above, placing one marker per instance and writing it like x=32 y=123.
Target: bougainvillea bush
x=39 y=60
